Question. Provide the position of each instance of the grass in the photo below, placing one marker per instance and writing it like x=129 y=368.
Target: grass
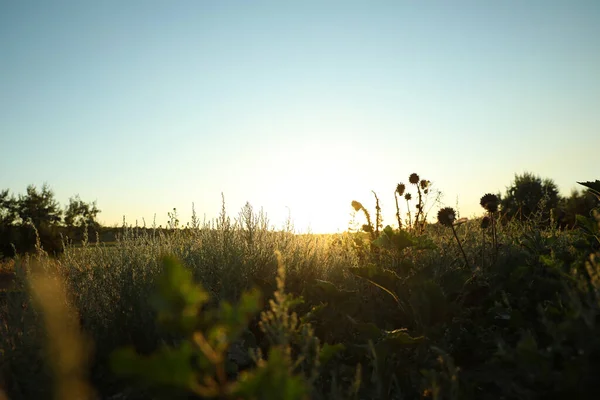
x=416 y=319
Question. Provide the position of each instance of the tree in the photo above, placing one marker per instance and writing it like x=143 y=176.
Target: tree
x=39 y=207
x=8 y=217
x=529 y=194
x=79 y=213
x=8 y=209
x=578 y=203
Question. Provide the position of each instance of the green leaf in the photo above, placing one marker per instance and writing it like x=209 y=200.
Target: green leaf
x=177 y=284
x=388 y=230
x=587 y=224
x=424 y=243
x=236 y=318
x=329 y=288
x=453 y=281
x=328 y=351
x=519 y=272
x=402 y=240
x=594 y=187
x=167 y=366
x=125 y=361
x=394 y=240
x=384 y=279
x=369 y=331
x=429 y=303
x=400 y=338
x=314 y=313
x=272 y=380
x=380 y=276
x=527 y=343
x=383 y=241
x=527 y=350
x=178 y=299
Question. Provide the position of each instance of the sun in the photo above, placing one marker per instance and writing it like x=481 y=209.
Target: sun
x=317 y=186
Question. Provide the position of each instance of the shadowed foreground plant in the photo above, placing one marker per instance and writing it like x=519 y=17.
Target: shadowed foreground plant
x=198 y=363
x=447 y=217
x=490 y=203
x=368 y=227
x=485 y=224
x=399 y=192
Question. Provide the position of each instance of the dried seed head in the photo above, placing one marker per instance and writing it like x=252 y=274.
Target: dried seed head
x=446 y=216
x=408 y=196
x=485 y=222
x=489 y=202
x=400 y=189
x=356 y=205
x=413 y=178
x=424 y=184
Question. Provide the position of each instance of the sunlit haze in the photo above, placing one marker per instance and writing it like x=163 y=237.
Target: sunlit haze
x=295 y=107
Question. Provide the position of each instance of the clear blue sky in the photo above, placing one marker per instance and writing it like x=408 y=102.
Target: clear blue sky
x=294 y=106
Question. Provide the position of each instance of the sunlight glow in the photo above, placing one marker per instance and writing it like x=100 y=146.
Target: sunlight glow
x=317 y=185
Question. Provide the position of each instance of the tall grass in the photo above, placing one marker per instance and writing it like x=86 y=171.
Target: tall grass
x=109 y=286
x=506 y=326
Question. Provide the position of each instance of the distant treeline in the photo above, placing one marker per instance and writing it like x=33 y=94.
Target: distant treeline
x=37 y=215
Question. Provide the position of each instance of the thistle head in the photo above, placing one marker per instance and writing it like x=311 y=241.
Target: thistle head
x=356 y=205
x=408 y=196
x=400 y=188
x=413 y=178
x=485 y=222
x=424 y=184
x=446 y=216
x=489 y=202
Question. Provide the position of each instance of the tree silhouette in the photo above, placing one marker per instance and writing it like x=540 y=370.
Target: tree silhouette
x=8 y=218
x=38 y=216
x=8 y=209
x=529 y=194
x=578 y=203
x=39 y=207
x=79 y=213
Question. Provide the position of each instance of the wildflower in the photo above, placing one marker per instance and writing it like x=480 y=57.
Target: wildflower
x=413 y=178
x=408 y=196
x=400 y=189
x=424 y=184
x=446 y=216
x=489 y=202
x=356 y=205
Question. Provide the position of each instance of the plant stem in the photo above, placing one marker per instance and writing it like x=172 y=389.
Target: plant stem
x=459 y=245
x=420 y=207
x=494 y=238
x=409 y=216
x=397 y=211
x=483 y=248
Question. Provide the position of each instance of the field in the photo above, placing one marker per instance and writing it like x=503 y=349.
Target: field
x=511 y=313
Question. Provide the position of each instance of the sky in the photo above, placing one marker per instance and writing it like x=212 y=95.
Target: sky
x=295 y=107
